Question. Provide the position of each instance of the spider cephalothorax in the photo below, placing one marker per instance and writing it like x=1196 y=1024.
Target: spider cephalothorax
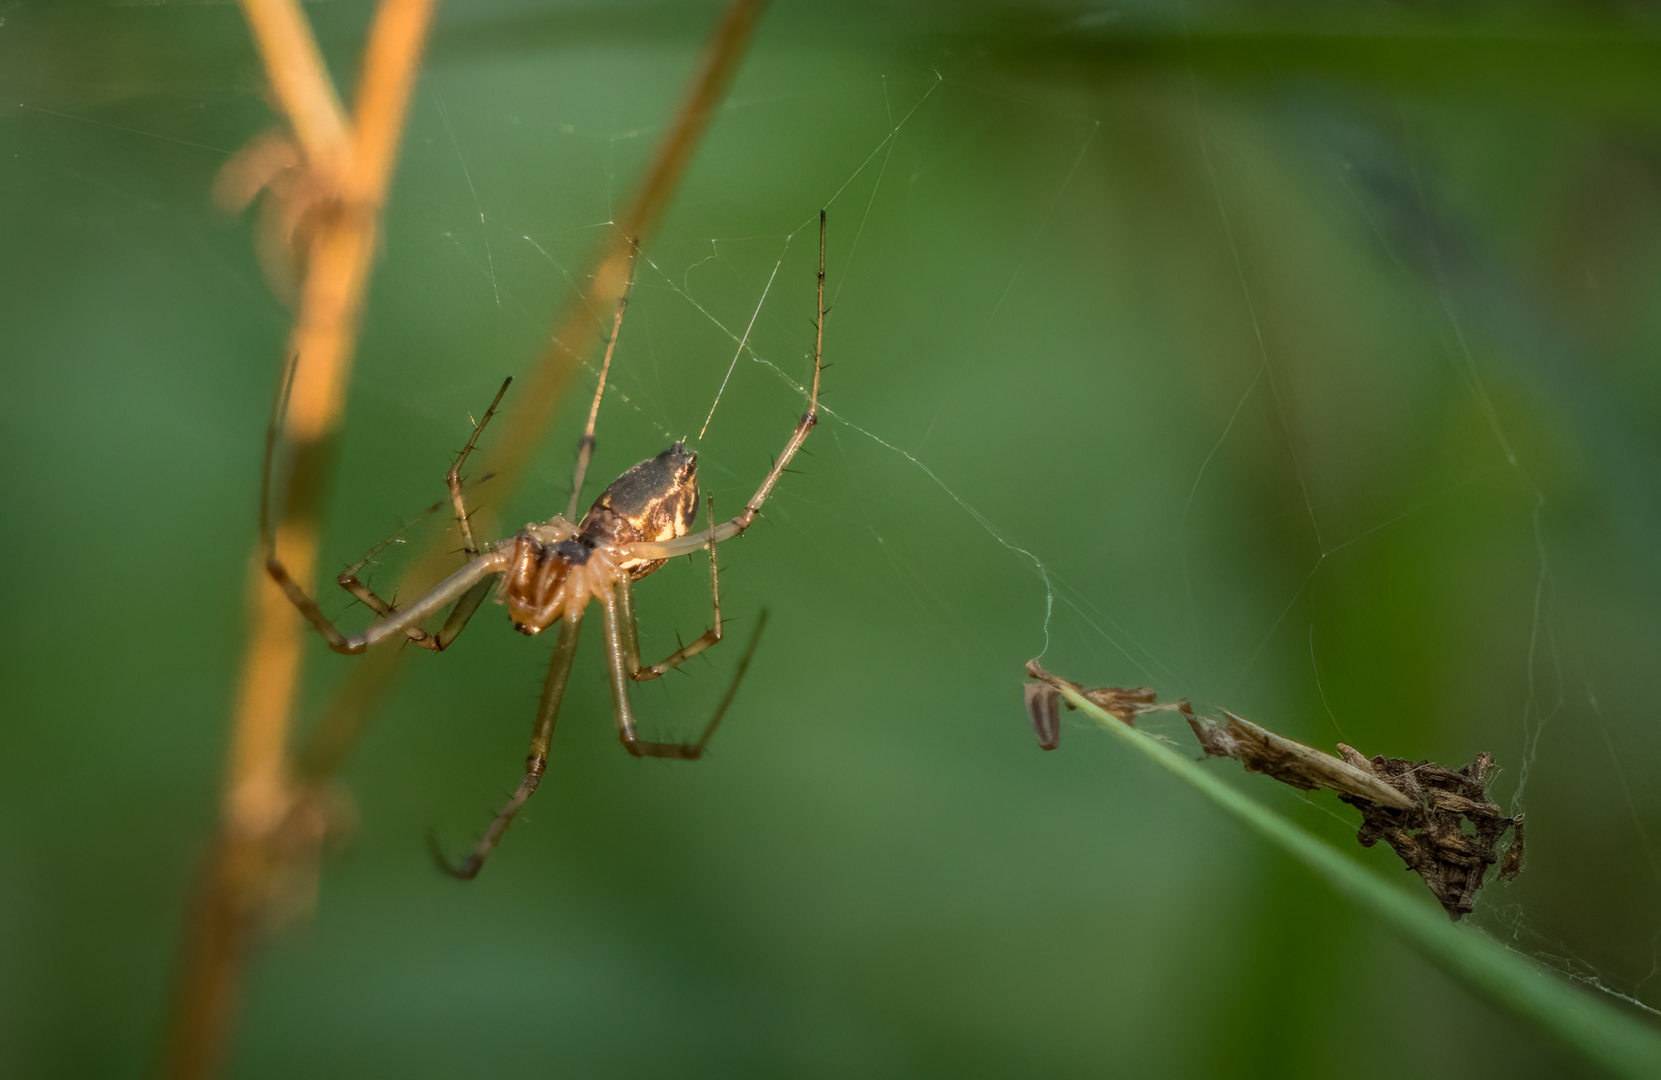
x=557 y=565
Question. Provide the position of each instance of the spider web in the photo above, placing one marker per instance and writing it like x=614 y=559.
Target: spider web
x=1224 y=627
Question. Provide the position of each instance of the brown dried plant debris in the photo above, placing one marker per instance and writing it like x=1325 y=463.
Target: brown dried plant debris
x=1453 y=833
x=1044 y=703
x=1438 y=820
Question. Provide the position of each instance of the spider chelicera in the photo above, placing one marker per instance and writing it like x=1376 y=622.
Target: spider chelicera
x=551 y=570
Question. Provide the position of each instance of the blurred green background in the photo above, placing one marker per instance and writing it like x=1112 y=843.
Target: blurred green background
x=1301 y=362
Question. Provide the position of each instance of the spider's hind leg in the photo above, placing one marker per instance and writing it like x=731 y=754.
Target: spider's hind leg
x=620 y=631
x=630 y=633
x=536 y=762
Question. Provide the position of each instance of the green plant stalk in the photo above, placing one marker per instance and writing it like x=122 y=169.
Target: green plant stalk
x=1596 y=1031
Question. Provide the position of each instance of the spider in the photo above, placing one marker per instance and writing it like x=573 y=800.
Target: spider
x=551 y=570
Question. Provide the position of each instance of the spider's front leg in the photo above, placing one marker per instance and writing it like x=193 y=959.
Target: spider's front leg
x=467 y=588
x=469 y=603
x=384 y=609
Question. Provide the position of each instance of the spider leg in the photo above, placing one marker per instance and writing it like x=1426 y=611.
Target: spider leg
x=631 y=639
x=348 y=578
x=470 y=601
x=467 y=584
x=619 y=630
x=452 y=479
x=553 y=692
x=585 y=445
x=453 y=624
x=456 y=621
x=467 y=587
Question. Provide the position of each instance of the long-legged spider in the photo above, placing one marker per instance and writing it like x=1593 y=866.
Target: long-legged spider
x=551 y=570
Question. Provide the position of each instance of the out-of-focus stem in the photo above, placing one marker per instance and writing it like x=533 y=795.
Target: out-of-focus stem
x=249 y=860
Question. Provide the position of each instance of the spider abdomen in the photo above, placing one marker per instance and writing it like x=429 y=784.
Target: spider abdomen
x=653 y=501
